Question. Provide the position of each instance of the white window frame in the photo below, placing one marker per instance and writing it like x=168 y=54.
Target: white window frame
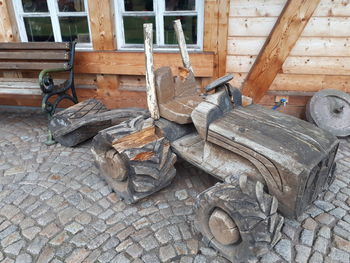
x=54 y=14
x=158 y=12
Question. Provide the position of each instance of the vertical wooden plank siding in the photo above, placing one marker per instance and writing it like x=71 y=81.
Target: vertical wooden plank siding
x=216 y=17
x=277 y=47
x=224 y=7
x=101 y=24
x=6 y=30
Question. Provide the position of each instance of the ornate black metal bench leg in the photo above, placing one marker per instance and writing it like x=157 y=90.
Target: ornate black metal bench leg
x=49 y=109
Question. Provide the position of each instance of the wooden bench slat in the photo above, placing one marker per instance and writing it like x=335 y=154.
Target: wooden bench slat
x=35 y=45
x=24 y=84
x=17 y=81
x=35 y=55
x=31 y=65
x=21 y=91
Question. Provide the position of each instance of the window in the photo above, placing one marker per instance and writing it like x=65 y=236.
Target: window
x=132 y=14
x=53 y=20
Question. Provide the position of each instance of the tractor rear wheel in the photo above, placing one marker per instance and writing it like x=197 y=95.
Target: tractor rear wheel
x=239 y=220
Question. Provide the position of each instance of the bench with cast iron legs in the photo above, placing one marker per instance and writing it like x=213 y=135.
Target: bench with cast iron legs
x=46 y=57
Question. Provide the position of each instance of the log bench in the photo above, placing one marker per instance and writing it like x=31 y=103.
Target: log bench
x=46 y=57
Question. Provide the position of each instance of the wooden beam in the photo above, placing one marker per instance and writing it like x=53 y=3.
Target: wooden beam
x=277 y=47
x=101 y=24
x=216 y=17
x=150 y=81
x=133 y=63
x=224 y=8
x=6 y=30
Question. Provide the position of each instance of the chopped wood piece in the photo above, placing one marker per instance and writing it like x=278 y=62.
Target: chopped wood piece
x=136 y=140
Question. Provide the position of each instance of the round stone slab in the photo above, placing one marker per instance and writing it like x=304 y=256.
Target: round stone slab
x=329 y=109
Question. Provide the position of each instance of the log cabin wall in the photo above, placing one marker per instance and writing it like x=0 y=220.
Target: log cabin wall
x=320 y=58
x=117 y=77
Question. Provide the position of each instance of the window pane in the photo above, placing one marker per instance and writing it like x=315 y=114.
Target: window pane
x=39 y=29
x=35 y=6
x=189 y=26
x=75 y=28
x=174 y=5
x=138 y=5
x=133 y=28
x=71 y=5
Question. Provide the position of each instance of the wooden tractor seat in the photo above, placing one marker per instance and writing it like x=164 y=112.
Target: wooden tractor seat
x=24 y=59
x=177 y=97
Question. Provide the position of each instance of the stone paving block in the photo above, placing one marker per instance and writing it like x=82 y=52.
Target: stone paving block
x=166 y=253
x=13 y=237
x=284 y=249
x=149 y=243
x=74 y=228
x=97 y=241
x=24 y=258
x=50 y=230
x=107 y=256
x=67 y=215
x=60 y=189
x=120 y=258
x=302 y=253
x=15 y=248
x=46 y=255
x=78 y=255
x=124 y=245
x=321 y=245
x=325 y=232
x=111 y=243
x=36 y=245
x=316 y=258
x=338 y=255
x=150 y=258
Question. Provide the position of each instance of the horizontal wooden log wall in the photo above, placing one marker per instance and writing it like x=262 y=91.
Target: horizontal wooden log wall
x=320 y=59
x=116 y=77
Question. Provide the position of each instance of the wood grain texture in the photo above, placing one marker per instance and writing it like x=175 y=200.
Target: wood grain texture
x=133 y=63
x=182 y=45
x=262 y=26
x=216 y=17
x=34 y=55
x=302 y=82
x=295 y=65
x=266 y=8
x=305 y=46
x=224 y=7
x=101 y=24
x=150 y=78
x=6 y=30
x=277 y=47
x=210 y=25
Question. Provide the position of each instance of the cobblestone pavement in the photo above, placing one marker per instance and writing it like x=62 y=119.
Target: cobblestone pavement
x=55 y=208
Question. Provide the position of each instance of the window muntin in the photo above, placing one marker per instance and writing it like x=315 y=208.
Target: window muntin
x=53 y=20
x=131 y=14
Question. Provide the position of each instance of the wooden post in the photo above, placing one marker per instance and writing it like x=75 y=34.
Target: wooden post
x=101 y=23
x=278 y=45
x=6 y=30
x=150 y=84
x=182 y=45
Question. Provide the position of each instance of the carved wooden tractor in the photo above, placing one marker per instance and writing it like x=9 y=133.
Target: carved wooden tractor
x=268 y=163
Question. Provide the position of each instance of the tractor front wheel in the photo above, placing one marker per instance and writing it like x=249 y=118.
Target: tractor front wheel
x=239 y=220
